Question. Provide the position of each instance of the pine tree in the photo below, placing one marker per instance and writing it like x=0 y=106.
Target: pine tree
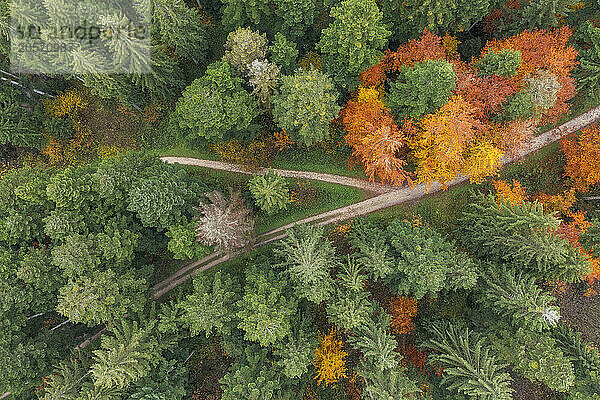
x=469 y=366
x=376 y=344
x=515 y=294
x=264 y=311
x=126 y=355
x=373 y=252
x=308 y=257
x=211 y=308
x=270 y=191
x=250 y=377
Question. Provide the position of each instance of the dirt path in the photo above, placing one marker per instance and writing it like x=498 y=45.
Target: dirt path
x=242 y=169
x=389 y=198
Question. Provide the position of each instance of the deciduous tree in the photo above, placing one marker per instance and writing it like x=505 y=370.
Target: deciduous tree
x=304 y=106
x=353 y=41
x=216 y=104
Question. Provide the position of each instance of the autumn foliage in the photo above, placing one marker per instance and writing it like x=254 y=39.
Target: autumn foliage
x=582 y=153
x=403 y=310
x=473 y=132
x=330 y=359
x=375 y=137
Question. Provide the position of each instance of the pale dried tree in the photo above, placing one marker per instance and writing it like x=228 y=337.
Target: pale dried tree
x=225 y=223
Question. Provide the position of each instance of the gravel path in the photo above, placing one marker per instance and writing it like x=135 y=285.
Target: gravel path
x=390 y=197
x=242 y=169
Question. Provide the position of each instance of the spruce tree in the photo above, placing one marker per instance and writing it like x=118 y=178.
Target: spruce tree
x=516 y=294
x=523 y=235
x=469 y=365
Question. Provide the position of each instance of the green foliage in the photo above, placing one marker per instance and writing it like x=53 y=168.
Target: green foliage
x=284 y=53
x=504 y=63
x=243 y=46
x=536 y=356
x=521 y=235
x=161 y=201
x=182 y=242
x=588 y=73
x=425 y=262
x=180 y=27
x=270 y=191
x=542 y=14
x=19 y=124
x=308 y=256
x=518 y=106
x=296 y=352
x=216 y=104
x=353 y=41
x=250 y=377
x=376 y=344
x=408 y=18
x=305 y=104
x=76 y=255
x=101 y=297
x=469 y=366
x=348 y=308
x=384 y=377
x=298 y=16
x=585 y=359
x=245 y=12
x=373 y=252
x=211 y=308
x=264 y=311
x=516 y=295
x=389 y=385
x=125 y=356
x=421 y=89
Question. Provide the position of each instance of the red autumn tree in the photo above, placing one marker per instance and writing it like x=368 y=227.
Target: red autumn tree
x=403 y=310
x=582 y=152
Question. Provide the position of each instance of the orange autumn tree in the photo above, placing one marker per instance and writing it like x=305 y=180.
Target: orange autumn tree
x=375 y=137
x=582 y=153
x=544 y=50
x=513 y=194
x=446 y=145
x=403 y=310
x=330 y=359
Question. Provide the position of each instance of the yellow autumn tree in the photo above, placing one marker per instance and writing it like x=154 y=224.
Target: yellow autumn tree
x=444 y=141
x=483 y=161
x=330 y=359
x=514 y=194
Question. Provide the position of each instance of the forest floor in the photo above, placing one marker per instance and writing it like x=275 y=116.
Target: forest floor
x=391 y=197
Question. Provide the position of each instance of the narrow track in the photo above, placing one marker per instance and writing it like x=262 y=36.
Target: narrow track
x=363 y=184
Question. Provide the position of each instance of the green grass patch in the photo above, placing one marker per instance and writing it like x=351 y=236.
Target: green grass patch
x=329 y=197
x=317 y=160
x=541 y=171
x=439 y=210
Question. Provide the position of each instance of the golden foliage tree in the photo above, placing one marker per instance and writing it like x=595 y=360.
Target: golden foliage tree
x=330 y=359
